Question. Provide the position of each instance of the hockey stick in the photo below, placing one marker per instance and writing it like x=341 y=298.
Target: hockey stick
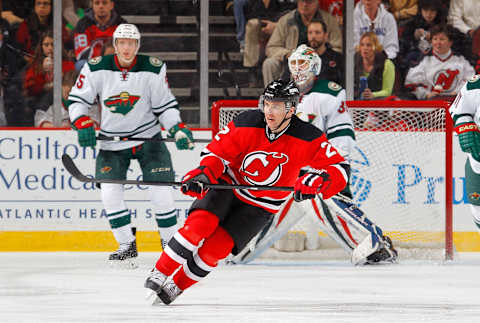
x=70 y=166
x=118 y=138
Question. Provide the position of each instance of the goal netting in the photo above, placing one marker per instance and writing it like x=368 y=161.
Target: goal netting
x=401 y=172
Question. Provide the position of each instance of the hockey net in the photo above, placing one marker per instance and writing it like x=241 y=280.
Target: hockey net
x=401 y=172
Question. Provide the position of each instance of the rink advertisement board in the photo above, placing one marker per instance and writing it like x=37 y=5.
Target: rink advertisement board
x=38 y=195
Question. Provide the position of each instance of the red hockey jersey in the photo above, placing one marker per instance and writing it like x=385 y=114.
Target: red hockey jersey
x=250 y=158
x=90 y=38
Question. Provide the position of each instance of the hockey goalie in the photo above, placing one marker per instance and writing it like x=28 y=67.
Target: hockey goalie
x=322 y=105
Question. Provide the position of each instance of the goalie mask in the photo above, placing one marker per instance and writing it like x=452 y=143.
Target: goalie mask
x=283 y=91
x=126 y=31
x=304 y=65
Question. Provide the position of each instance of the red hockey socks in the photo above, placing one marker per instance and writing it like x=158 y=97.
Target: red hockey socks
x=214 y=248
x=199 y=225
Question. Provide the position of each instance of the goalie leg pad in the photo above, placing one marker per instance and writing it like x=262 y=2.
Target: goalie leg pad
x=374 y=246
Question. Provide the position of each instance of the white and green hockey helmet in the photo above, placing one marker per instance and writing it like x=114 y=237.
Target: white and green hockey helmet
x=304 y=65
x=126 y=31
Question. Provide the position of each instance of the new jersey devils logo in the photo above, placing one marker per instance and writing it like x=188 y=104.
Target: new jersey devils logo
x=263 y=168
x=447 y=79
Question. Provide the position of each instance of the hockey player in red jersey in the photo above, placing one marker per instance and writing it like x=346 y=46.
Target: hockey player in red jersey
x=266 y=146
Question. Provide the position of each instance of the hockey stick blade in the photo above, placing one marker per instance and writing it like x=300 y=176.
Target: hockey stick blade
x=117 y=138
x=70 y=166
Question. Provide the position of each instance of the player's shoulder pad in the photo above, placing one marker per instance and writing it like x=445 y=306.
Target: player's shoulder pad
x=474 y=82
x=253 y=118
x=303 y=130
x=326 y=87
x=148 y=64
x=102 y=63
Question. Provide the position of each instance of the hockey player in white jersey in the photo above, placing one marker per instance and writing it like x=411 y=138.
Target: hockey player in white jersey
x=323 y=105
x=135 y=101
x=465 y=112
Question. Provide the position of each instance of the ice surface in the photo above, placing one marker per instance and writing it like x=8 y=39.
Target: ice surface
x=82 y=287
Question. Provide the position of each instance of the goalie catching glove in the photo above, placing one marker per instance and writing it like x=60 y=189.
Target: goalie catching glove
x=183 y=136
x=85 y=130
x=469 y=138
x=310 y=184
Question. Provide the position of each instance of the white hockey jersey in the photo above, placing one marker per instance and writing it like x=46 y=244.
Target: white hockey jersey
x=324 y=107
x=133 y=102
x=449 y=73
x=466 y=105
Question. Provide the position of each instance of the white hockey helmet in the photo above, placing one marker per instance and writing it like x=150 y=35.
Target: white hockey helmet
x=128 y=31
x=304 y=65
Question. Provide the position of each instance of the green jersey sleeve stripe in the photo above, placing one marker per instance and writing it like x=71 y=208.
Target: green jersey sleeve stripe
x=166 y=104
x=158 y=114
x=341 y=133
x=341 y=125
x=72 y=98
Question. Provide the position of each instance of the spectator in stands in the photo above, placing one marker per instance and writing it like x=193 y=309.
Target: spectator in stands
x=463 y=15
x=94 y=30
x=240 y=21
x=31 y=29
x=371 y=15
x=11 y=64
x=291 y=31
x=334 y=7
x=441 y=73
x=415 y=41
x=403 y=10
x=15 y=11
x=261 y=18
x=332 y=62
x=69 y=14
x=38 y=84
x=372 y=62
x=44 y=119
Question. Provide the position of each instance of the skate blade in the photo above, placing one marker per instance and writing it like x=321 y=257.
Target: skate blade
x=130 y=263
x=152 y=298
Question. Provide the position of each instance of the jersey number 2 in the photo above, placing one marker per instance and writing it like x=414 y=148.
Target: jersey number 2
x=328 y=149
x=224 y=131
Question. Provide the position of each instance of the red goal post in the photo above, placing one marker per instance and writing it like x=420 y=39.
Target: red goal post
x=403 y=160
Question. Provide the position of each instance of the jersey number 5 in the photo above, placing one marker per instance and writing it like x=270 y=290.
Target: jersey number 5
x=80 y=81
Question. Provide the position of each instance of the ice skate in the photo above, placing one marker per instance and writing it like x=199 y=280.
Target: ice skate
x=154 y=284
x=169 y=292
x=386 y=254
x=125 y=251
x=125 y=257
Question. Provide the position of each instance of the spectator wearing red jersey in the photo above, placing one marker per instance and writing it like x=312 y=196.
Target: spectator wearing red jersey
x=94 y=30
x=38 y=84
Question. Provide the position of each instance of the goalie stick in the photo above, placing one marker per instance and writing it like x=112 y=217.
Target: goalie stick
x=118 y=138
x=70 y=166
